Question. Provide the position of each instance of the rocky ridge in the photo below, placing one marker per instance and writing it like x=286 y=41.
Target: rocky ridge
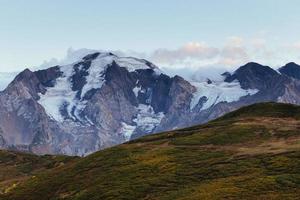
x=103 y=100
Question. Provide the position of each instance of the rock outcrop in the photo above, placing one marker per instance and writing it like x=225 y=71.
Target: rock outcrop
x=103 y=100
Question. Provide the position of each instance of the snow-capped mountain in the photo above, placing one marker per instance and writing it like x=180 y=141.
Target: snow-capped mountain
x=102 y=100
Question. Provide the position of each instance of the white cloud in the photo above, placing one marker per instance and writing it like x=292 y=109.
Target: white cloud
x=258 y=43
x=206 y=60
x=199 y=60
x=235 y=41
x=71 y=56
x=191 y=50
x=197 y=55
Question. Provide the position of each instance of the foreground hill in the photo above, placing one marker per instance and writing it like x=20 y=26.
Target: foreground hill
x=252 y=153
x=102 y=100
x=17 y=167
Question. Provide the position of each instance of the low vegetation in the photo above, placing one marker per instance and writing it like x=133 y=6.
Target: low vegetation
x=252 y=153
x=17 y=167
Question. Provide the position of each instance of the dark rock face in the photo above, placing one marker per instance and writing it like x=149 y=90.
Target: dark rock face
x=272 y=86
x=104 y=100
x=47 y=77
x=178 y=104
x=90 y=119
x=291 y=70
x=255 y=76
x=21 y=116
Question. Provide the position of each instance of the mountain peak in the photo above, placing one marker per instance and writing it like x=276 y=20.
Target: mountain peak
x=256 y=68
x=91 y=56
x=102 y=99
x=291 y=69
x=253 y=75
x=291 y=64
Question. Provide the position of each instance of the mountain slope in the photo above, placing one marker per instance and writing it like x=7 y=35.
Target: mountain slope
x=252 y=153
x=291 y=70
x=102 y=100
x=97 y=102
x=17 y=167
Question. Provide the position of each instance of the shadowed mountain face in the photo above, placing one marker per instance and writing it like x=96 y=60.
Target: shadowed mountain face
x=256 y=76
x=291 y=70
x=252 y=153
x=104 y=100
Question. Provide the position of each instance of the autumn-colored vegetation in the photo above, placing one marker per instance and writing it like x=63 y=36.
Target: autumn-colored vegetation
x=252 y=153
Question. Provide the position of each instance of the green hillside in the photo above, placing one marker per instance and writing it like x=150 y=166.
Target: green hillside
x=252 y=153
x=17 y=167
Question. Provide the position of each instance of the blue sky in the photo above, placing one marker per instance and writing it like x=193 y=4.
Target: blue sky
x=200 y=31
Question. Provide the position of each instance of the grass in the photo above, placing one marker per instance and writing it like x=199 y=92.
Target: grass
x=253 y=153
x=15 y=167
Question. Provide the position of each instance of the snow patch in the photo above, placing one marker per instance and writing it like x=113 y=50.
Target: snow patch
x=62 y=95
x=59 y=95
x=131 y=64
x=136 y=90
x=95 y=78
x=147 y=119
x=127 y=130
x=218 y=92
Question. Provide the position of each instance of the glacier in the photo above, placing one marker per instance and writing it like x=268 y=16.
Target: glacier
x=217 y=92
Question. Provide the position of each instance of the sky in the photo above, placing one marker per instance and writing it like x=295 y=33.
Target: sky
x=177 y=34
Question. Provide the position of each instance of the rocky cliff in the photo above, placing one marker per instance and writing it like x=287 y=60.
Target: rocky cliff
x=103 y=100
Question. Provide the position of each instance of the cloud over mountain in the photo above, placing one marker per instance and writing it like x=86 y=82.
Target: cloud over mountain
x=201 y=59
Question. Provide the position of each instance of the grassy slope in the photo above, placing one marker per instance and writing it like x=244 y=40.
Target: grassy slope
x=17 y=167
x=253 y=153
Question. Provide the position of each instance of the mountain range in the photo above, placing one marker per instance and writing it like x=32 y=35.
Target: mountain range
x=102 y=100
